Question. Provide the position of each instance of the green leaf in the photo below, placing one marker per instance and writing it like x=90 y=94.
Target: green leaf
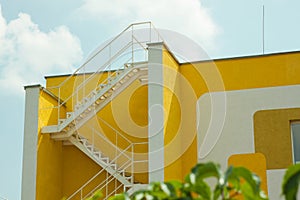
x=138 y=194
x=96 y=196
x=144 y=195
x=252 y=179
x=169 y=189
x=123 y=196
x=291 y=182
x=222 y=186
x=217 y=192
x=176 y=184
x=201 y=188
x=243 y=181
x=206 y=170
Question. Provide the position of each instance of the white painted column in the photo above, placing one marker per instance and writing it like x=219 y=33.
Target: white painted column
x=30 y=142
x=156 y=113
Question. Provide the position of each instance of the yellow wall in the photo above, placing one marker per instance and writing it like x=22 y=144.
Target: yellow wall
x=61 y=170
x=172 y=116
x=272 y=136
x=232 y=74
x=49 y=153
x=184 y=85
x=255 y=162
x=127 y=114
x=65 y=86
x=77 y=170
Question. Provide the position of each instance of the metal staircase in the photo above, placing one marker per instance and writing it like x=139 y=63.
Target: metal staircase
x=84 y=103
x=97 y=99
x=111 y=168
x=120 y=168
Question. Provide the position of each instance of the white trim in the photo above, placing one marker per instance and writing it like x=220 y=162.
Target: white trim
x=236 y=134
x=292 y=143
x=30 y=142
x=240 y=106
x=156 y=113
x=292 y=140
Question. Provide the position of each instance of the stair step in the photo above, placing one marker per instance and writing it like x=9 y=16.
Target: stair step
x=102 y=85
x=94 y=92
x=85 y=99
x=69 y=114
x=90 y=147
x=82 y=138
x=121 y=175
x=83 y=110
x=104 y=159
x=87 y=110
x=97 y=154
x=113 y=165
x=84 y=141
x=60 y=121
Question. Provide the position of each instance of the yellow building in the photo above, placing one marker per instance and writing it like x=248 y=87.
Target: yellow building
x=134 y=113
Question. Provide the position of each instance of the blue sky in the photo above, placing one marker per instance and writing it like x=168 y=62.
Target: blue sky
x=40 y=38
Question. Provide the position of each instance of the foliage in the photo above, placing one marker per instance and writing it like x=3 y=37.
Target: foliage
x=290 y=182
x=236 y=181
x=96 y=196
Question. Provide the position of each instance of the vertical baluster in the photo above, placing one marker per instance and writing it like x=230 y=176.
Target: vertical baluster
x=58 y=108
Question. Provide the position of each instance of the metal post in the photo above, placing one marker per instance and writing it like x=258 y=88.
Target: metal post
x=93 y=139
x=106 y=185
x=132 y=163
x=263 y=29
x=117 y=146
x=132 y=45
x=109 y=53
x=58 y=107
x=150 y=31
x=83 y=89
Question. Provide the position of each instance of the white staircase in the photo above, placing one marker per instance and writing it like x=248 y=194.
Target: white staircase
x=114 y=171
x=119 y=167
x=96 y=100
x=118 y=172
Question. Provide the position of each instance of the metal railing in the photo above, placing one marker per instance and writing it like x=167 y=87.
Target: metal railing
x=128 y=47
x=121 y=152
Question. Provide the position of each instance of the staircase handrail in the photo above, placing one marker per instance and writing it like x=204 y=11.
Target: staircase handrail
x=124 y=166
x=109 y=60
x=102 y=82
x=100 y=188
x=112 y=144
x=114 y=129
x=123 y=49
x=83 y=84
x=103 y=48
x=97 y=174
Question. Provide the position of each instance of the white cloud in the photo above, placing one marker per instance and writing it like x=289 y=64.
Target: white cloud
x=27 y=53
x=187 y=17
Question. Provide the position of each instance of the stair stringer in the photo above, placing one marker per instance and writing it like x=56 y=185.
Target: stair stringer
x=93 y=105
x=111 y=168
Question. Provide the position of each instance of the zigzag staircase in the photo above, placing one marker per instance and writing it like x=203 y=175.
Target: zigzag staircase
x=67 y=130
x=114 y=171
x=96 y=100
x=120 y=166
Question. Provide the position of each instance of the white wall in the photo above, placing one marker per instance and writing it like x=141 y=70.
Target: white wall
x=225 y=121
